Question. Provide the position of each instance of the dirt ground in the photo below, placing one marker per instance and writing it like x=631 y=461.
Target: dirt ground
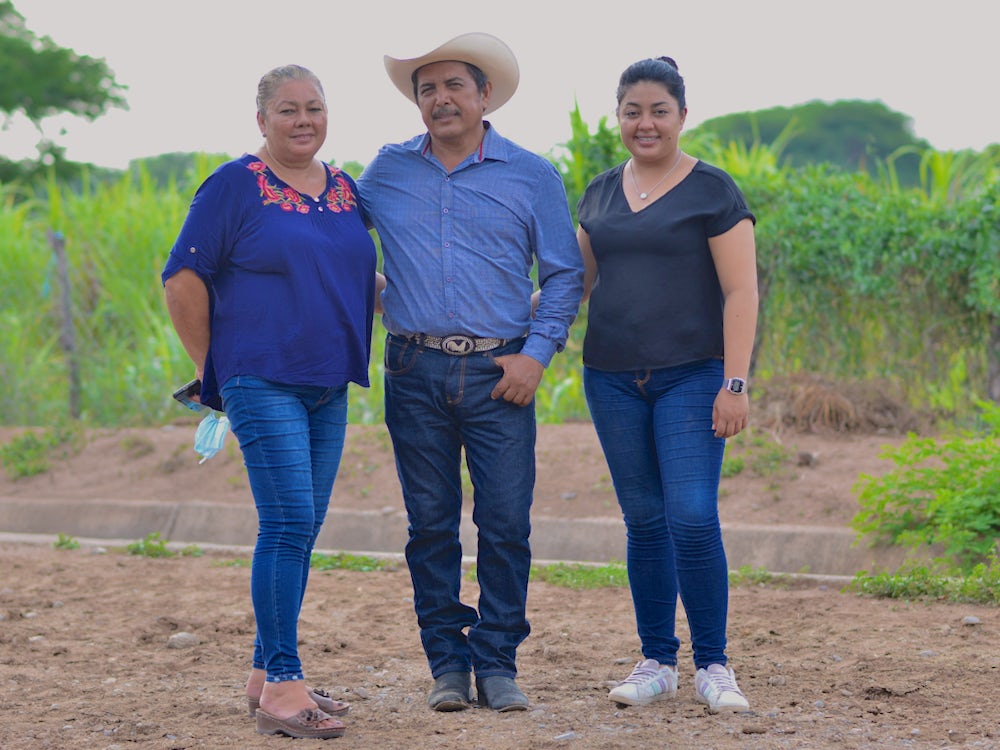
x=87 y=660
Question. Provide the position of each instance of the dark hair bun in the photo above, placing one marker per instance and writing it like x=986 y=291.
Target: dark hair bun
x=669 y=61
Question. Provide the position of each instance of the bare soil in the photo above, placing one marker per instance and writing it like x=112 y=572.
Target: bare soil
x=87 y=660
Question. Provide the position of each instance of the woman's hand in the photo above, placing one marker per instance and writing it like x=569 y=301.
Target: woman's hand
x=730 y=413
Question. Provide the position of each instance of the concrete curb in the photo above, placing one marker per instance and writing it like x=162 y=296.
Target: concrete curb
x=823 y=551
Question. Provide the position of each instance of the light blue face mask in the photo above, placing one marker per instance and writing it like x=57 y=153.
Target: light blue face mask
x=211 y=434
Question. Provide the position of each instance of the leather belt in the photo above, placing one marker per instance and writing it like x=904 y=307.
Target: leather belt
x=458 y=344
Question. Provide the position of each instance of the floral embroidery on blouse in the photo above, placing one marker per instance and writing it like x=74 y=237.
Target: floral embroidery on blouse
x=340 y=197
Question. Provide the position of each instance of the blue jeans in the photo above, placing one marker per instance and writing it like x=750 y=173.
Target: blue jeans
x=292 y=438
x=656 y=431
x=437 y=404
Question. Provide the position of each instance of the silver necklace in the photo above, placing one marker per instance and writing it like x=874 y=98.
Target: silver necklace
x=642 y=195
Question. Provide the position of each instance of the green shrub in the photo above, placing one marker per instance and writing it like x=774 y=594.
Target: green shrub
x=582 y=576
x=30 y=452
x=732 y=465
x=943 y=492
x=65 y=542
x=348 y=561
x=152 y=546
x=979 y=584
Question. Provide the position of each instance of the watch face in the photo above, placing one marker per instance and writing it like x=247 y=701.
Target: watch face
x=735 y=385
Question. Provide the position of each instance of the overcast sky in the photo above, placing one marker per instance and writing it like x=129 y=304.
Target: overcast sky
x=192 y=66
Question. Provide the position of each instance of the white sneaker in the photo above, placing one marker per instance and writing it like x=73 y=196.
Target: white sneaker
x=716 y=686
x=648 y=682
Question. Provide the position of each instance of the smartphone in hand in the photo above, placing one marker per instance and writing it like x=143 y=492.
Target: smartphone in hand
x=187 y=394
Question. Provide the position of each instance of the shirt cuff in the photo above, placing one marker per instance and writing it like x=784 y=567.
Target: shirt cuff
x=540 y=348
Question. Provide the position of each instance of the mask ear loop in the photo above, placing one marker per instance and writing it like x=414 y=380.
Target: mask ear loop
x=211 y=435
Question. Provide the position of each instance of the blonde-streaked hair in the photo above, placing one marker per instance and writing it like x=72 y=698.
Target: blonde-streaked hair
x=271 y=80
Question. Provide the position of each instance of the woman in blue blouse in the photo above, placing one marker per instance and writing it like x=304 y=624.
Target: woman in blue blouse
x=270 y=287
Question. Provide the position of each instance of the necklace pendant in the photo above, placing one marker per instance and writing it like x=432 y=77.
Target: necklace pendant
x=635 y=183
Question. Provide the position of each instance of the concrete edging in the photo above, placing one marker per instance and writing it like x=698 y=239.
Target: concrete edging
x=825 y=551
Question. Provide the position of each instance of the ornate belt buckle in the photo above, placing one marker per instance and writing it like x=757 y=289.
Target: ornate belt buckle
x=458 y=345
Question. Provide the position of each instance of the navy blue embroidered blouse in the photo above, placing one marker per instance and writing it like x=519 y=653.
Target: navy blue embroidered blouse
x=291 y=278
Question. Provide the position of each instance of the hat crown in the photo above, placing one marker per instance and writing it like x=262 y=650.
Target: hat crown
x=485 y=51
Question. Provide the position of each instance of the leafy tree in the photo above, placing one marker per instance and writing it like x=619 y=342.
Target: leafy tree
x=851 y=134
x=40 y=79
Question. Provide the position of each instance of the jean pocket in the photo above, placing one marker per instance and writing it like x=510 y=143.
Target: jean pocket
x=399 y=356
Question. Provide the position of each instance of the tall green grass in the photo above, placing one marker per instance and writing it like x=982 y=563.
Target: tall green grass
x=859 y=280
x=117 y=237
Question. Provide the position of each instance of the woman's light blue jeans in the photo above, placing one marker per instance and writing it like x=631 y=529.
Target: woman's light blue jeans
x=656 y=431
x=292 y=438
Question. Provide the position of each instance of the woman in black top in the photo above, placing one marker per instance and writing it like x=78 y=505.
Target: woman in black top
x=668 y=244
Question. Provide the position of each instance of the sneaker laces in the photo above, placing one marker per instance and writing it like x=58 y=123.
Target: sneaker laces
x=722 y=679
x=642 y=673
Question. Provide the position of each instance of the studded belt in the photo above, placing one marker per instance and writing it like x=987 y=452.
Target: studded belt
x=458 y=344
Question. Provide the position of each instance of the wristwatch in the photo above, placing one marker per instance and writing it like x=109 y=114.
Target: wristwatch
x=735 y=385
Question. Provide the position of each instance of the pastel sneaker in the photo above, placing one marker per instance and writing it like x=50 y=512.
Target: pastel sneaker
x=650 y=681
x=716 y=687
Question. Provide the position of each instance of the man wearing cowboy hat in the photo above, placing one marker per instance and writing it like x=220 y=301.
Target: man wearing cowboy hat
x=463 y=214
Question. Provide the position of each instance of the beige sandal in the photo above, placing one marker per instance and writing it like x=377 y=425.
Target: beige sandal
x=304 y=725
x=323 y=701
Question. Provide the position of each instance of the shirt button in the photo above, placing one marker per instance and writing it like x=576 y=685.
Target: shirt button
x=320 y=209
x=192 y=249
x=445 y=211
x=447 y=244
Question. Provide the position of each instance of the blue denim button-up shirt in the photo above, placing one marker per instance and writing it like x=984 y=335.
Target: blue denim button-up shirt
x=458 y=248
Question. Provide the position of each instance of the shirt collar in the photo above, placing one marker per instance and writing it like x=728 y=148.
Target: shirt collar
x=492 y=148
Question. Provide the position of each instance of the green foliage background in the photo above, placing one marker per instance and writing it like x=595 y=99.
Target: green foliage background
x=878 y=258
x=861 y=278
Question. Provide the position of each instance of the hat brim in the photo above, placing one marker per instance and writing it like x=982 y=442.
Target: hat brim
x=485 y=51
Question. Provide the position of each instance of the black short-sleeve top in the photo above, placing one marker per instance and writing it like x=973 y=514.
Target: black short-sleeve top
x=657 y=301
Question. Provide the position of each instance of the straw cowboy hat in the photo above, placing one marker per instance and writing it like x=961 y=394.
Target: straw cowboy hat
x=485 y=51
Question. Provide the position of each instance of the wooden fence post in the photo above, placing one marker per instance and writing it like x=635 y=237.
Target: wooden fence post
x=67 y=334
x=993 y=361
